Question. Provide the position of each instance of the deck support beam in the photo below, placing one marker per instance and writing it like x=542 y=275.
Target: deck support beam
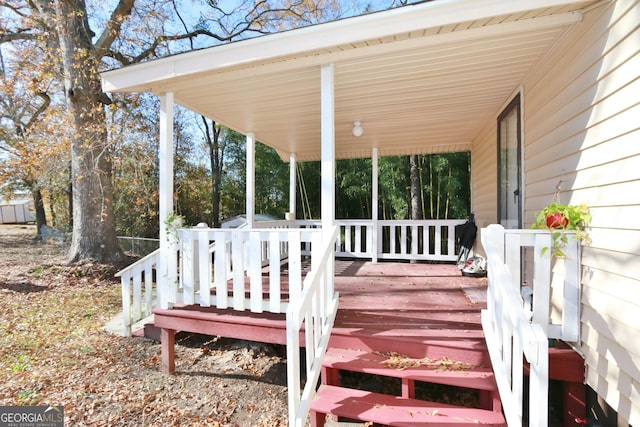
x=168 y=355
x=408 y=388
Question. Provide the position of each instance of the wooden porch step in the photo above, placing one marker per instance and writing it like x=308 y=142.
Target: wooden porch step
x=468 y=348
x=394 y=410
x=440 y=371
x=262 y=327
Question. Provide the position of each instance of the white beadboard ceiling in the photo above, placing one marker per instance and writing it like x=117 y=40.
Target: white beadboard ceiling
x=432 y=76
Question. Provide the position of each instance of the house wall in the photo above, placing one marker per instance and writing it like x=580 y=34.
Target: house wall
x=581 y=125
x=484 y=177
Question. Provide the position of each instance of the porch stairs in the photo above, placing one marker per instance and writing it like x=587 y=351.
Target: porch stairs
x=407 y=364
x=413 y=364
x=411 y=315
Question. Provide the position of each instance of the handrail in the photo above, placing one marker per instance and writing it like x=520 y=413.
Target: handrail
x=217 y=275
x=556 y=281
x=139 y=262
x=316 y=308
x=142 y=243
x=134 y=307
x=510 y=335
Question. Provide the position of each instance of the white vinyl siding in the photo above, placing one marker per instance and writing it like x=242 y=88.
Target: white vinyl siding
x=582 y=125
x=484 y=177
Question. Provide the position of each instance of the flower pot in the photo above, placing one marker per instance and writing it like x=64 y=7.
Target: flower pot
x=556 y=220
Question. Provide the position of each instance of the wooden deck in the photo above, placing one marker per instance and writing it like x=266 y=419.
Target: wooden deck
x=430 y=306
x=424 y=313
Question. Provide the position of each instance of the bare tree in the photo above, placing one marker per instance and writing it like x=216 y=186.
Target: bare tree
x=216 y=154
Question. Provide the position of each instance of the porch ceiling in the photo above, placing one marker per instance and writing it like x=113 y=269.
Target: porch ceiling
x=422 y=79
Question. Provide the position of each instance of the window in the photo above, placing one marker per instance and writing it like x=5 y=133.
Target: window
x=509 y=166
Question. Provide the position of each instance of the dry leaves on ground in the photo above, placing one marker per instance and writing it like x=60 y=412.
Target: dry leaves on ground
x=400 y=362
x=53 y=351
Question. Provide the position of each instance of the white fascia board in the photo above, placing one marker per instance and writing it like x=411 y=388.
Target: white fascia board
x=141 y=77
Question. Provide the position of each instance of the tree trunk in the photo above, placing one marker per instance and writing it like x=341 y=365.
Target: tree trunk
x=94 y=234
x=431 y=187
x=416 y=193
x=421 y=158
x=41 y=218
x=448 y=194
x=70 y=200
x=52 y=211
x=212 y=138
x=416 y=190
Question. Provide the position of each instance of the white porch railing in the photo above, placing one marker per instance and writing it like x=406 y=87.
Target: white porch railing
x=511 y=331
x=196 y=261
x=316 y=309
x=209 y=259
x=425 y=240
x=225 y=268
x=134 y=306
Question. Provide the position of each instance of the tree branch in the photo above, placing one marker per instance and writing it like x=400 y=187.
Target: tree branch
x=150 y=51
x=114 y=25
x=15 y=9
x=44 y=14
x=10 y=37
x=255 y=20
x=184 y=24
x=118 y=56
x=45 y=104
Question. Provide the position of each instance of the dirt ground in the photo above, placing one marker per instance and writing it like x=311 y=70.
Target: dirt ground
x=53 y=351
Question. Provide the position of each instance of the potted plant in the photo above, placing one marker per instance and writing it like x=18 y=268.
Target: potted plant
x=559 y=218
x=172 y=224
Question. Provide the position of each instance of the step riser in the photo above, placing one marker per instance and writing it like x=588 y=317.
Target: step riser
x=362 y=354
x=443 y=371
x=472 y=352
x=395 y=411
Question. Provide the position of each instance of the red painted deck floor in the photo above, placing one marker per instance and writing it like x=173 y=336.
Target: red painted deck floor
x=431 y=305
x=427 y=313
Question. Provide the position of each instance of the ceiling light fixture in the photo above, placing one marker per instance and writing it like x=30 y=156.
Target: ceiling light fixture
x=357 y=129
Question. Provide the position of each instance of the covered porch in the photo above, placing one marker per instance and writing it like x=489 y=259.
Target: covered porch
x=278 y=284
x=283 y=285
x=426 y=78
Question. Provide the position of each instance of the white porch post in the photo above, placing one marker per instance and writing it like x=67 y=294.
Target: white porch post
x=328 y=162
x=292 y=186
x=251 y=179
x=374 y=205
x=167 y=263
x=327 y=141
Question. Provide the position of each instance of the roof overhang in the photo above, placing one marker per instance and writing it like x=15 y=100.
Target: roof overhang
x=423 y=78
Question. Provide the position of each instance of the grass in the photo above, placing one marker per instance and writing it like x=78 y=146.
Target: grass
x=53 y=351
x=45 y=333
